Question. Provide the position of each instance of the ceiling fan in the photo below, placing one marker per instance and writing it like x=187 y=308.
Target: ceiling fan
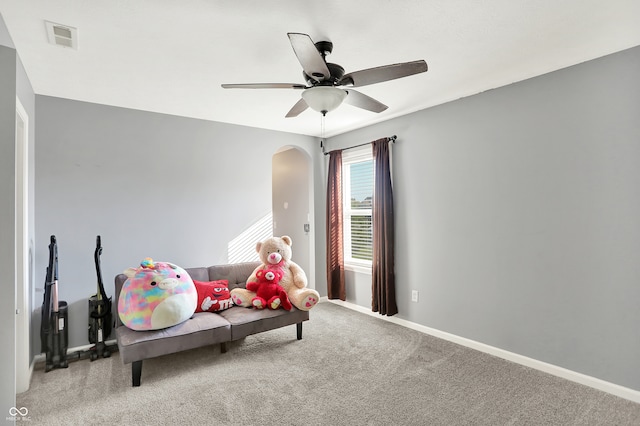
x=322 y=92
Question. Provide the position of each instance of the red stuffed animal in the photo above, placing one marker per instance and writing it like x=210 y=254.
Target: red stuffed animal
x=268 y=292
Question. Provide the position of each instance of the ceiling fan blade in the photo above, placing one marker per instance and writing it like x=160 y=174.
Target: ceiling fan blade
x=300 y=106
x=363 y=101
x=264 y=86
x=311 y=60
x=383 y=73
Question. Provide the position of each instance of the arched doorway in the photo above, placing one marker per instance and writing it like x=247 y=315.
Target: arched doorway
x=292 y=205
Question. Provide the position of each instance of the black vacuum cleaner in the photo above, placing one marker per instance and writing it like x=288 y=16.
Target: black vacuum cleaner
x=54 y=336
x=53 y=328
x=100 y=318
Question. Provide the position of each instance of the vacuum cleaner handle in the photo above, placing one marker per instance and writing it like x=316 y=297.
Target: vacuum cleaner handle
x=101 y=295
x=49 y=281
x=52 y=258
x=53 y=253
x=96 y=258
x=46 y=303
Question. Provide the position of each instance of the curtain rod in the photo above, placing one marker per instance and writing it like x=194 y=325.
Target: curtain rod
x=389 y=139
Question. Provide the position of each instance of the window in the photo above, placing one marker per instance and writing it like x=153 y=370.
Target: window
x=357 y=169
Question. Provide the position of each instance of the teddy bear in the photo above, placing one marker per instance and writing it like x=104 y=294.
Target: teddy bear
x=269 y=293
x=275 y=254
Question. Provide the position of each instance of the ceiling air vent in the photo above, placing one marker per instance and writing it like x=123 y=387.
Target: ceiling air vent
x=62 y=35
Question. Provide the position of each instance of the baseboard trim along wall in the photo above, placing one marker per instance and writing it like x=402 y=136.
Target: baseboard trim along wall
x=42 y=357
x=583 y=379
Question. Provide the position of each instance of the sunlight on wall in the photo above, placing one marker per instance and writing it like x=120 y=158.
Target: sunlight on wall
x=243 y=247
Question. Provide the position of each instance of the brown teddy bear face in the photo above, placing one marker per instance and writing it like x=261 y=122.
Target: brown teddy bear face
x=274 y=250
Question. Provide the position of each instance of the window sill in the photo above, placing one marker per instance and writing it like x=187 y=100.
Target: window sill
x=361 y=269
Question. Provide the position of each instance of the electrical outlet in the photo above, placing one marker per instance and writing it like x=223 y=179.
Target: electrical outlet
x=414 y=296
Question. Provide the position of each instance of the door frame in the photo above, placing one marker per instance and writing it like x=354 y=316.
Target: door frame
x=23 y=312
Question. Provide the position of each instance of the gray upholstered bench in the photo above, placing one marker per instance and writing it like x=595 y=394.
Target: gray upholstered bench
x=204 y=328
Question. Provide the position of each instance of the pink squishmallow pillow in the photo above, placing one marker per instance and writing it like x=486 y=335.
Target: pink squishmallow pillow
x=156 y=295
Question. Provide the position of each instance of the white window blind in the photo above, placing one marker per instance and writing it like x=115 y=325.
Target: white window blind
x=358 y=194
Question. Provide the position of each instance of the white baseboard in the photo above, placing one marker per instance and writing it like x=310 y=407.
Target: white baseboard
x=612 y=388
x=42 y=357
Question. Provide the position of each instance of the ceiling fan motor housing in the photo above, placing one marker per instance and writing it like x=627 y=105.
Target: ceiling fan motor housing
x=336 y=75
x=324 y=47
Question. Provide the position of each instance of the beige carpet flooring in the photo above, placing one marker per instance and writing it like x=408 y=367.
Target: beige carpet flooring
x=349 y=369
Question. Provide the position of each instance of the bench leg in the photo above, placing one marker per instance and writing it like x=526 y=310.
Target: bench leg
x=136 y=372
x=299 y=330
x=223 y=347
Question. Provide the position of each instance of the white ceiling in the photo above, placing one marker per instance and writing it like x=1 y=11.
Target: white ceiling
x=171 y=56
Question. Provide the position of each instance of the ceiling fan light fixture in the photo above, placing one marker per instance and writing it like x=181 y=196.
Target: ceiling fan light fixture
x=324 y=98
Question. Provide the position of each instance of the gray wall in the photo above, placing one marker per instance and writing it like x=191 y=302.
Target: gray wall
x=172 y=188
x=518 y=217
x=7 y=226
x=14 y=83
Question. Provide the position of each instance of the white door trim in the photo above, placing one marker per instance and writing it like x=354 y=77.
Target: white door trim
x=23 y=313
